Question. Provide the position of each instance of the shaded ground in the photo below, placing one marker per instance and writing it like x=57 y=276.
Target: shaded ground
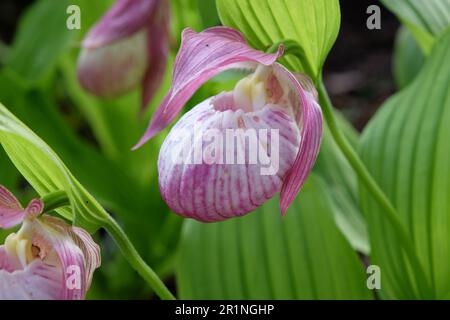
x=358 y=69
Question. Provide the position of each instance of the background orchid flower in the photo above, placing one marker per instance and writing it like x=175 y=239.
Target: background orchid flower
x=46 y=258
x=127 y=47
x=269 y=98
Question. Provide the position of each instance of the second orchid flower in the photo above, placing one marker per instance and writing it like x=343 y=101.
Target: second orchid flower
x=46 y=259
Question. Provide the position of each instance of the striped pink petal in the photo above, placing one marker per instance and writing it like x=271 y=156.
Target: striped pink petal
x=11 y=211
x=63 y=261
x=78 y=253
x=202 y=56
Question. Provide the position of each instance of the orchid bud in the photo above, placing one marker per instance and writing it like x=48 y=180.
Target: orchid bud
x=234 y=151
x=128 y=47
x=46 y=259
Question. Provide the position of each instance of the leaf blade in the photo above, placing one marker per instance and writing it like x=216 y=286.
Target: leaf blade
x=302 y=256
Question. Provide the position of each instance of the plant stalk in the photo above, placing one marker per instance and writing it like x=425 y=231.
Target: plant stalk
x=390 y=213
x=136 y=261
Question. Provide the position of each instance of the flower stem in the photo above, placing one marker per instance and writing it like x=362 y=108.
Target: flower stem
x=369 y=182
x=55 y=200
x=135 y=260
x=58 y=199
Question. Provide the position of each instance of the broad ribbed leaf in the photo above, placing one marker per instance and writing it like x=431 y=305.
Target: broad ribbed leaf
x=313 y=24
x=408 y=58
x=426 y=19
x=264 y=256
x=406 y=148
x=45 y=171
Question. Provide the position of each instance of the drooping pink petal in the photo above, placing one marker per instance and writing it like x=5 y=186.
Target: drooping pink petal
x=11 y=211
x=310 y=121
x=158 y=50
x=202 y=56
x=123 y=19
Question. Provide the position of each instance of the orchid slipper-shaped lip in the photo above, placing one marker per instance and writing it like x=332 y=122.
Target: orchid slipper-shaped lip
x=46 y=259
x=270 y=99
x=127 y=47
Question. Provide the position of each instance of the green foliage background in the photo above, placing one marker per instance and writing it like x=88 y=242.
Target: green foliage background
x=68 y=139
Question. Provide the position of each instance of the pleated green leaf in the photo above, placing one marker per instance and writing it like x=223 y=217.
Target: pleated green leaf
x=313 y=24
x=426 y=19
x=46 y=173
x=265 y=256
x=406 y=148
x=408 y=58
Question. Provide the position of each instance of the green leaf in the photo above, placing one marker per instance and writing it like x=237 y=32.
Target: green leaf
x=426 y=20
x=313 y=24
x=406 y=148
x=342 y=186
x=408 y=58
x=265 y=256
x=46 y=173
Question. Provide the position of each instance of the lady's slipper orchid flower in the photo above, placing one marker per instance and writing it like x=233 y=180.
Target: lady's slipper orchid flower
x=46 y=259
x=127 y=47
x=271 y=101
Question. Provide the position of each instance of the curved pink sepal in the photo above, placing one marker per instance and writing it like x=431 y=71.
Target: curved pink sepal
x=11 y=211
x=310 y=121
x=202 y=56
